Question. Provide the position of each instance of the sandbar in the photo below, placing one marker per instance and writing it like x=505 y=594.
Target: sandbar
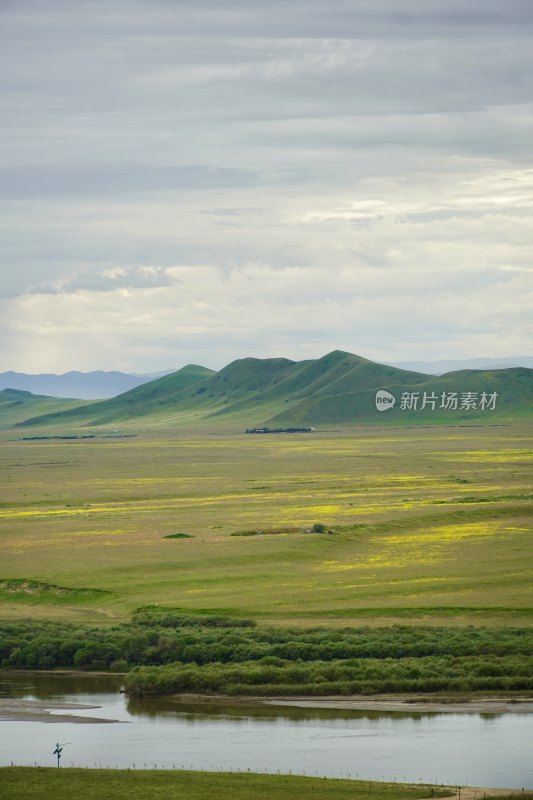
x=40 y=711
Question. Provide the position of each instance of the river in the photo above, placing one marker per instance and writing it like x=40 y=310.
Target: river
x=460 y=749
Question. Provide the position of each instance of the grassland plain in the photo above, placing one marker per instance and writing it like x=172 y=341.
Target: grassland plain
x=425 y=525
x=39 y=783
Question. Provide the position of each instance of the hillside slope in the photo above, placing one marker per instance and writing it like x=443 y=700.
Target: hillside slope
x=339 y=388
x=143 y=400
x=249 y=389
x=95 y=385
x=454 y=398
x=17 y=405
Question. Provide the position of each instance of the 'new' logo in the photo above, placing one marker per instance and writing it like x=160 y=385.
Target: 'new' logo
x=384 y=400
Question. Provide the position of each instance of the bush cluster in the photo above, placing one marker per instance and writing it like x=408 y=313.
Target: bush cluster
x=354 y=676
x=169 y=651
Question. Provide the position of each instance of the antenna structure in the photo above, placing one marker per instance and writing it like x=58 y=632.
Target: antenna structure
x=59 y=749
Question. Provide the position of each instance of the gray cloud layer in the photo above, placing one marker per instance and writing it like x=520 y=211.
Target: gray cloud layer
x=182 y=180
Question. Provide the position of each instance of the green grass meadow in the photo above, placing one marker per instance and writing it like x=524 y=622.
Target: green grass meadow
x=423 y=525
x=20 y=783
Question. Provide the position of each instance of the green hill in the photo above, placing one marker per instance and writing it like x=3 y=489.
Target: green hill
x=144 y=400
x=17 y=405
x=339 y=388
x=455 y=398
x=331 y=376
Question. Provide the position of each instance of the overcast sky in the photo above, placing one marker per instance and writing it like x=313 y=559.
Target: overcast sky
x=197 y=181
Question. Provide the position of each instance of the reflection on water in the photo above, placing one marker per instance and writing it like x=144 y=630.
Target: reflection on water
x=460 y=749
x=159 y=708
x=48 y=686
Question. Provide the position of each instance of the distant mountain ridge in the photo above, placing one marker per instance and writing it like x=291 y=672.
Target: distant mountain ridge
x=339 y=388
x=94 y=385
x=101 y=384
x=452 y=365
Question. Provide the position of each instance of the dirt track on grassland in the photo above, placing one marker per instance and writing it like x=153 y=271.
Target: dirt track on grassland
x=480 y=792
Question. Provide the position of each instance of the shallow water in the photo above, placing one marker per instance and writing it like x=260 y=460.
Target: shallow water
x=459 y=749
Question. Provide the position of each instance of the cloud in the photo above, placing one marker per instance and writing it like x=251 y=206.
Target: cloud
x=57 y=181
x=278 y=19
x=111 y=279
x=294 y=312
x=274 y=174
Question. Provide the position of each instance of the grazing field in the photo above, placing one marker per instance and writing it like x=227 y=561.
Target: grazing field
x=416 y=526
x=94 y=784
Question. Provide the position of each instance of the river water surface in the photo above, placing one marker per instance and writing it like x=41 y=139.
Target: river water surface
x=444 y=748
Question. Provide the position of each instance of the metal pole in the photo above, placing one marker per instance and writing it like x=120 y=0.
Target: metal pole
x=59 y=749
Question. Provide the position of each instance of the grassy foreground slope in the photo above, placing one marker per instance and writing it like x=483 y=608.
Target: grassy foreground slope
x=428 y=525
x=39 y=783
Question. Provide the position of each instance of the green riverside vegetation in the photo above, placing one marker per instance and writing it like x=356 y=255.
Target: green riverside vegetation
x=169 y=652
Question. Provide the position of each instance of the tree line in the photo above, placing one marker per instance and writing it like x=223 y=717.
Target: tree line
x=167 y=650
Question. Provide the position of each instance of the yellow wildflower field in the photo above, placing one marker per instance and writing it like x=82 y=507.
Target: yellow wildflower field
x=424 y=524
